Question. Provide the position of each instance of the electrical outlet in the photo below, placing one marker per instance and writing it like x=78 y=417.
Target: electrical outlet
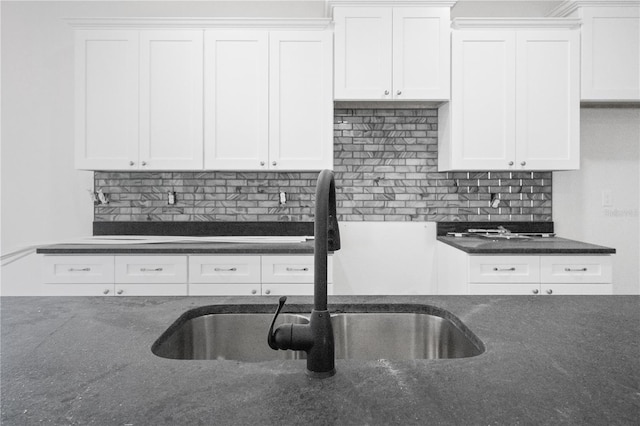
x=607 y=198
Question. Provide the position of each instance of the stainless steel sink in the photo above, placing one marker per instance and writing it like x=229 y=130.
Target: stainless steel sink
x=363 y=335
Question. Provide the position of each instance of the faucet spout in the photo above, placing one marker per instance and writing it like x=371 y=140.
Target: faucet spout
x=326 y=235
x=316 y=338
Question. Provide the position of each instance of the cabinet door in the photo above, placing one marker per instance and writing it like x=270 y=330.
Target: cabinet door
x=610 y=53
x=289 y=289
x=548 y=100
x=171 y=91
x=224 y=289
x=483 y=100
x=236 y=100
x=151 y=289
x=363 y=52
x=504 y=289
x=573 y=289
x=301 y=107
x=106 y=100
x=76 y=290
x=421 y=46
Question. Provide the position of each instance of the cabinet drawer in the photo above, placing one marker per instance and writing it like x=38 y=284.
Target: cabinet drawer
x=77 y=269
x=151 y=269
x=291 y=269
x=504 y=269
x=224 y=289
x=575 y=269
x=224 y=269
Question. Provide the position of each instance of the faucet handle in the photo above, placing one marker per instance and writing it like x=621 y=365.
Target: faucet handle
x=271 y=336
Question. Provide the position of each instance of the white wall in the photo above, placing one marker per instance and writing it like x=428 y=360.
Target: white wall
x=610 y=141
x=386 y=258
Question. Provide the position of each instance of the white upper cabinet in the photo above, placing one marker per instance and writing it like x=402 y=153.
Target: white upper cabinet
x=138 y=100
x=515 y=100
x=301 y=106
x=194 y=94
x=171 y=100
x=384 y=53
x=236 y=99
x=610 y=48
x=106 y=99
x=547 y=100
x=268 y=100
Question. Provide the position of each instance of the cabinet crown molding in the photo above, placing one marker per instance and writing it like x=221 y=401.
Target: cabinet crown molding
x=568 y=7
x=515 y=23
x=391 y=3
x=144 y=23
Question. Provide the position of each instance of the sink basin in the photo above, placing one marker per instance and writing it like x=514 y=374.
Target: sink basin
x=362 y=333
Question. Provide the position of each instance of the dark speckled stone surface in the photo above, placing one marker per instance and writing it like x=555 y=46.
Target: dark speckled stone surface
x=552 y=245
x=180 y=248
x=549 y=360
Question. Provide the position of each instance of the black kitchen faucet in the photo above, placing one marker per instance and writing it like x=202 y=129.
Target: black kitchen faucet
x=315 y=338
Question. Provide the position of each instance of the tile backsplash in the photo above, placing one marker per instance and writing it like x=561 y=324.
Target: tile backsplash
x=385 y=163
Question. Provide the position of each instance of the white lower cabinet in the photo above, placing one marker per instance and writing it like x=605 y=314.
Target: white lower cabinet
x=176 y=275
x=89 y=275
x=253 y=275
x=463 y=273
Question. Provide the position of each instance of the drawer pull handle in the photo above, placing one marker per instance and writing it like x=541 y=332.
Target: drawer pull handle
x=79 y=269
x=549 y=291
x=575 y=269
x=106 y=291
x=535 y=291
x=151 y=269
x=225 y=269
x=505 y=269
x=120 y=291
x=289 y=269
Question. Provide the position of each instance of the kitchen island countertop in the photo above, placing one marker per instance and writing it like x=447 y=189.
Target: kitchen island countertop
x=548 y=360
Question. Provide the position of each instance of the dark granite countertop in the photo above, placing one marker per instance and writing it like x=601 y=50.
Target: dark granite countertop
x=549 y=245
x=549 y=360
x=180 y=248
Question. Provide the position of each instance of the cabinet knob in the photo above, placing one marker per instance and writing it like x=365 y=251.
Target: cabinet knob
x=386 y=92
x=523 y=163
x=534 y=291
x=131 y=163
x=511 y=163
x=120 y=291
x=399 y=92
x=144 y=163
x=262 y=163
x=106 y=291
x=273 y=163
x=267 y=292
x=254 y=291
x=549 y=291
